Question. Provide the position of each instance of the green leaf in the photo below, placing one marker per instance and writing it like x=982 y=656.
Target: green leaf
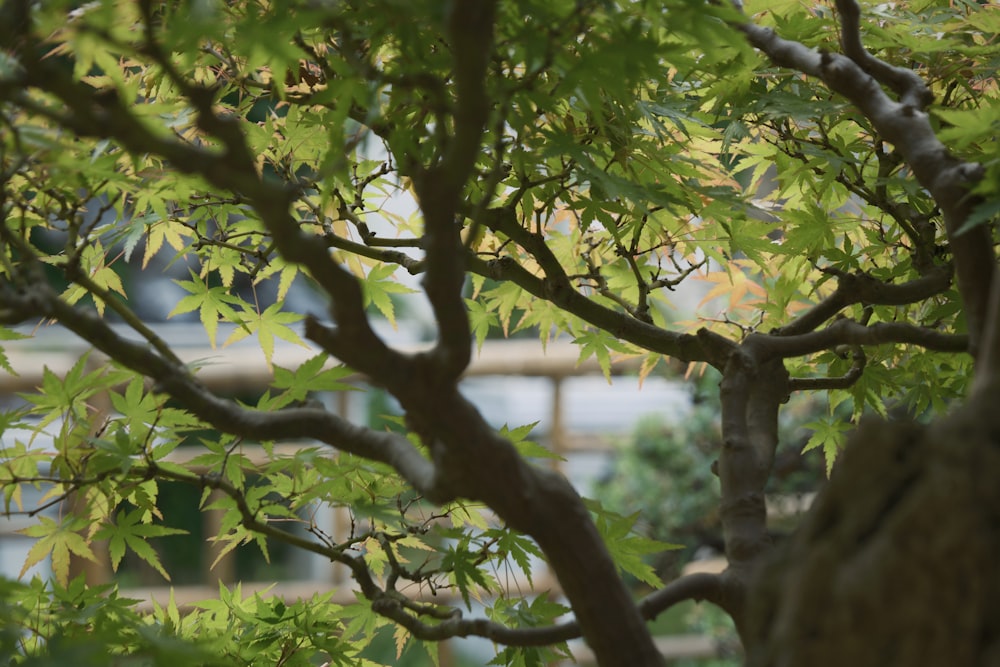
x=481 y=320
x=129 y=529
x=378 y=286
x=502 y=300
x=628 y=549
x=981 y=214
x=311 y=375
x=57 y=539
x=829 y=434
x=599 y=344
x=520 y=548
x=7 y=334
x=525 y=447
x=212 y=304
x=464 y=572
x=271 y=324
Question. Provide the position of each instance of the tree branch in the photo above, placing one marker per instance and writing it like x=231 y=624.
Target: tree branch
x=861 y=288
x=845 y=381
x=40 y=300
x=751 y=390
x=76 y=275
x=988 y=373
x=557 y=288
x=782 y=52
x=906 y=83
x=701 y=586
x=99 y=114
x=359 y=569
x=439 y=187
x=381 y=254
x=390 y=603
x=845 y=331
x=948 y=179
x=907 y=126
x=683 y=347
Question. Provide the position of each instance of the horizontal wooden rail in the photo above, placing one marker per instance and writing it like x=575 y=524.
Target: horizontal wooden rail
x=242 y=366
x=291 y=591
x=675 y=647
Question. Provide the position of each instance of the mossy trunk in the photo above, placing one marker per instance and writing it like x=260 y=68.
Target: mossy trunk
x=898 y=563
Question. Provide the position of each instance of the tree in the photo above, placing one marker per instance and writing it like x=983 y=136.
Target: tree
x=829 y=171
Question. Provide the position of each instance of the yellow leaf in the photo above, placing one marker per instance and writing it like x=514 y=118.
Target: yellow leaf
x=230 y=543
x=735 y=283
x=58 y=541
x=463 y=515
x=39 y=550
x=649 y=362
x=402 y=636
x=172 y=612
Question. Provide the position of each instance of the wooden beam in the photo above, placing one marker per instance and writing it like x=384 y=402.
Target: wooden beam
x=242 y=366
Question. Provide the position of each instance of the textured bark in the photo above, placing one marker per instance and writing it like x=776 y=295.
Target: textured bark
x=897 y=562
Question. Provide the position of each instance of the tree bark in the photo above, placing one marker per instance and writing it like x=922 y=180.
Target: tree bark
x=897 y=562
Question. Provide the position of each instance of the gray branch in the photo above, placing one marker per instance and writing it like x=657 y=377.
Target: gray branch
x=859 y=288
x=859 y=77
x=846 y=331
x=439 y=187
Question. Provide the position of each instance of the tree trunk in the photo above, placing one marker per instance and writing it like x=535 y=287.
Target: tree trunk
x=899 y=561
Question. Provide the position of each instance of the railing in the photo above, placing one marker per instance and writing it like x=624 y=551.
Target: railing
x=242 y=368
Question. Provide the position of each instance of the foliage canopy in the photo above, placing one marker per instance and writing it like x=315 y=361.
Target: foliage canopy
x=566 y=167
